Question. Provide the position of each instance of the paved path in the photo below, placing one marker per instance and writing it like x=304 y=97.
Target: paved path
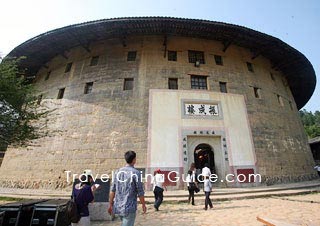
x=299 y=210
x=232 y=206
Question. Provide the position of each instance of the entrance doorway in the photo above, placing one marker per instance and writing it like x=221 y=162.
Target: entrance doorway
x=203 y=154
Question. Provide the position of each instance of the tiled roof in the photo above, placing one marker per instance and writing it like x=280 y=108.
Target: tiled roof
x=299 y=71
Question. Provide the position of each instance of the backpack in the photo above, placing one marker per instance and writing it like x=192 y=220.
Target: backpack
x=72 y=213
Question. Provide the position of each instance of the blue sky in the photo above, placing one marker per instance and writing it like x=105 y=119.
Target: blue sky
x=295 y=22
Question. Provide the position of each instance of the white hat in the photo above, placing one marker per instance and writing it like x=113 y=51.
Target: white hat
x=88 y=172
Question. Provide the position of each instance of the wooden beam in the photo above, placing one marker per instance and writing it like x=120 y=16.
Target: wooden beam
x=255 y=54
x=272 y=222
x=63 y=55
x=124 y=41
x=86 y=47
x=165 y=45
x=226 y=45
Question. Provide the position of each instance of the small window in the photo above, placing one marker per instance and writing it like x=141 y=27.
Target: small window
x=257 y=92
x=198 y=82
x=88 y=88
x=291 y=106
x=223 y=87
x=218 y=60
x=196 y=56
x=272 y=76
x=132 y=56
x=128 y=84
x=39 y=99
x=280 y=101
x=284 y=82
x=68 y=67
x=47 y=75
x=173 y=83
x=250 y=66
x=94 y=61
x=172 y=55
x=61 y=93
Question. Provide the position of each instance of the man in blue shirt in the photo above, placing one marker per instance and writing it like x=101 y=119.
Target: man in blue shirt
x=125 y=189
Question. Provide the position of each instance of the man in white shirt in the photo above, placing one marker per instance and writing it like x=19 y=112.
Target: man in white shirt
x=158 y=184
x=207 y=185
x=317 y=167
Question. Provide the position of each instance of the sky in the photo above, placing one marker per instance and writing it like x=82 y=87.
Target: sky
x=295 y=22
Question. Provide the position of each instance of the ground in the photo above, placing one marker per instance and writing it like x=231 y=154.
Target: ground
x=298 y=210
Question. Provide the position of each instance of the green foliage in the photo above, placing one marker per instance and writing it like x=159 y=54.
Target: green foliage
x=311 y=122
x=19 y=110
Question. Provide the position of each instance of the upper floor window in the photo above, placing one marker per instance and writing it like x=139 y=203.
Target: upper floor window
x=196 y=56
x=172 y=55
x=198 y=82
x=272 y=76
x=61 y=93
x=223 y=87
x=88 y=88
x=218 y=60
x=132 y=56
x=250 y=66
x=257 y=92
x=94 y=61
x=280 y=101
x=128 y=84
x=173 y=83
x=68 y=67
x=39 y=99
x=47 y=75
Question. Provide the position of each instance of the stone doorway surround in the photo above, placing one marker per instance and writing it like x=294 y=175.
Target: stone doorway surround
x=216 y=139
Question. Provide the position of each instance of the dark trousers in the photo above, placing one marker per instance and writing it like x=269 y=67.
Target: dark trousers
x=191 y=195
x=207 y=200
x=158 y=196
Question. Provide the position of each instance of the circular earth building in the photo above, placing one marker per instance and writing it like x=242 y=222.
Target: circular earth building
x=176 y=91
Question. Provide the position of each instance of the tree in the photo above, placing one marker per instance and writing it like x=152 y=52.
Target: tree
x=20 y=113
x=311 y=122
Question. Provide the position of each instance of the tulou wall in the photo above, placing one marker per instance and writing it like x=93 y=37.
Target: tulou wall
x=94 y=130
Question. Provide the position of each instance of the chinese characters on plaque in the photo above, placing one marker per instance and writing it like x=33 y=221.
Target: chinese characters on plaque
x=201 y=109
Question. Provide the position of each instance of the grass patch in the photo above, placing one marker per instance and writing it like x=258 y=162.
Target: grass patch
x=10 y=199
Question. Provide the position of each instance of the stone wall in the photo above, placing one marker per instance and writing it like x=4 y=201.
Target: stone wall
x=94 y=130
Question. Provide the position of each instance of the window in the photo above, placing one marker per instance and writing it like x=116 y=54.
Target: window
x=61 y=93
x=88 y=88
x=172 y=55
x=173 y=83
x=128 y=84
x=284 y=82
x=250 y=66
x=39 y=99
x=272 y=76
x=218 y=60
x=47 y=76
x=280 y=100
x=68 y=67
x=256 y=92
x=291 y=106
x=196 y=56
x=131 y=55
x=94 y=61
x=223 y=87
x=198 y=82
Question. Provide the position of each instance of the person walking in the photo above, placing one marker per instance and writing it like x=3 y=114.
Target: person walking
x=126 y=187
x=207 y=186
x=158 y=185
x=192 y=186
x=84 y=194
